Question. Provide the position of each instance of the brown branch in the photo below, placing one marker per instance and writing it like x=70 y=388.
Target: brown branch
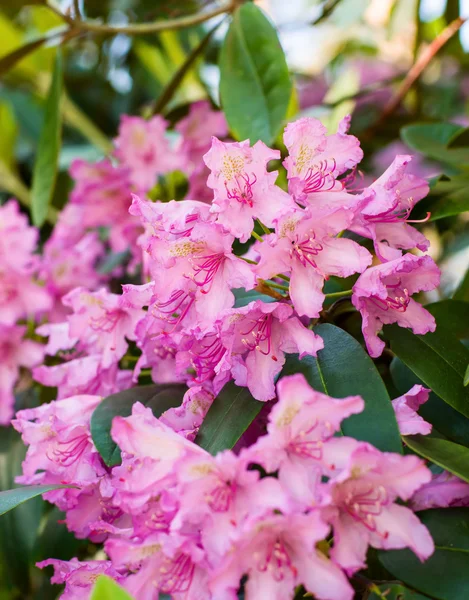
x=419 y=66
x=142 y=28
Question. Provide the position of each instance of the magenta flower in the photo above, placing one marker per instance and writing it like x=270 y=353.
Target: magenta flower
x=188 y=417
x=278 y=553
x=104 y=321
x=79 y=577
x=365 y=512
x=383 y=293
x=406 y=406
x=384 y=217
x=17 y=239
x=243 y=189
x=142 y=146
x=258 y=336
x=305 y=246
x=300 y=443
x=445 y=489
x=316 y=160
x=15 y=352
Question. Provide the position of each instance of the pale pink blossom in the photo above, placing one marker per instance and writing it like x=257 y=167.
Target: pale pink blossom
x=305 y=247
x=406 y=406
x=383 y=293
x=243 y=188
x=445 y=489
x=364 y=512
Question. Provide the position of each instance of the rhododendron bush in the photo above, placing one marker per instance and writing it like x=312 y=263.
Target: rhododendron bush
x=227 y=363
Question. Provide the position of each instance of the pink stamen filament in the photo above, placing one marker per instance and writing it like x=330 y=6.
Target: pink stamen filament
x=176 y=575
x=277 y=561
x=178 y=300
x=206 y=359
x=317 y=177
x=397 y=214
x=219 y=499
x=242 y=191
x=67 y=453
x=261 y=333
x=303 y=251
x=206 y=270
x=398 y=298
x=364 y=506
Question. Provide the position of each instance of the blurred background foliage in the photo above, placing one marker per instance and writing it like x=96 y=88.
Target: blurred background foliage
x=345 y=56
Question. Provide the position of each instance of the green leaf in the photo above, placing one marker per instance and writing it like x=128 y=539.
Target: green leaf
x=255 y=85
x=452 y=316
x=395 y=591
x=466 y=377
x=448 y=455
x=107 y=589
x=45 y=167
x=448 y=421
x=438 y=359
x=231 y=413
x=451 y=197
x=444 y=576
x=432 y=140
x=462 y=291
x=10 y=499
x=157 y=397
x=343 y=368
x=243 y=297
x=9 y=129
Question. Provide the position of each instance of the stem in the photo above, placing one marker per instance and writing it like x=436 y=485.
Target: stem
x=339 y=294
x=142 y=28
x=420 y=65
x=265 y=229
x=277 y=286
x=248 y=260
x=257 y=236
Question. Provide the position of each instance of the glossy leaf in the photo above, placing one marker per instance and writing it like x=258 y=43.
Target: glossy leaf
x=343 y=368
x=231 y=413
x=432 y=140
x=107 y=589
x=45 y=167
x=255 y=86
x=451 y=197
x=444 y=576
x=448 y=455
x=243 y=297
x=452 y=316
x=438 y=359
x=157 y=397
x=394 y=591
x=10 y=499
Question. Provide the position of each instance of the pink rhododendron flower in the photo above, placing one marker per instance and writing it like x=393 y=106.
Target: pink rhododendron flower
x=243 y=189
x=17 y=239
x=142 y=146
x=278 y=553
x=187 y=418
x=15 y=352
x=316 y=160
x=445 y=489
x=79 y=577
x=406 y=406
x=385 y=216
x=21 y=297
x=103 y=320
x=305 y=246
x=365 y=510
x=300 y=443
x=383 y=293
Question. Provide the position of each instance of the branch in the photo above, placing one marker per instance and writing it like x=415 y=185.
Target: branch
x=142 y=28
x=419 y=66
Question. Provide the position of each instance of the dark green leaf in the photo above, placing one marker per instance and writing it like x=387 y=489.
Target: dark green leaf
x=451 y=197
x=462 y=291
x=448 y=421
x=395 y=591
x=255 y=85
x=452 y=317
x=448 y=455
x=12 y=498
x=343 y=368
x=243 y=298
x=438 y=359
x=466 y=377
x=231 y=413
x=432 y=140
x=45 y=166
x=158 y=397
x=460 y=139
x=444 y=575
x=107 y=589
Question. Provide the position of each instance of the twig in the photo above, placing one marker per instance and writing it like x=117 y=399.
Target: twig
x=142 y=28
x=419 y=66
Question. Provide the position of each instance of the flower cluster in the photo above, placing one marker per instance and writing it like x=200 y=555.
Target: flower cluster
x=174 y=519
x=182 y=522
